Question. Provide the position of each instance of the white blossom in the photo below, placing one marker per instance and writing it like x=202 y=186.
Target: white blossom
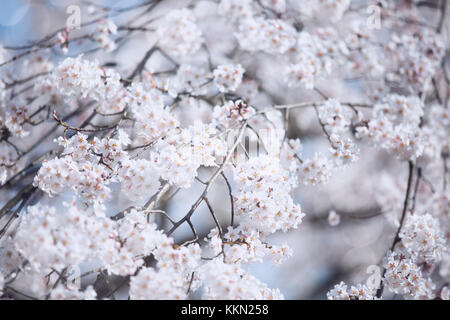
x=259 y=201
x=228 y=77
x=358 y=292
x=236 y=9
x=179 y=33
x=269 y=35
x=61 y=292
x=333 y=218
x=316 y=170
x=227 y=282
x=149 y=284
x=140 y=179
x=423 y=238
x=231 y=113
x=403 y=276
x=334 y=116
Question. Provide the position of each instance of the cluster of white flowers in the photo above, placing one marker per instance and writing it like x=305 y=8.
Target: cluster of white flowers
x=176 y=165
x=223 y=281
x=423 y=238
x=178 y=33
x=395 y=126
x=8 y=161
x=334 y=116
x=139 y=179
x=10 y=257
x=62 y=38
x=50 y=239
x=248 y=90
x=244 y=245
x=232 y=112
x=13 y=117
x=175 y=266
x=236 y=9
x=415 y=57
x=358 y=292
x=359 y=36
x=77 y=77
x=109 y=149
x=324 y=9
x=179 y=156
x=314 y=57
x=276 y=5
x=269 y=35
x=228 y=77
x=153 y=120
x=316 y=170
x=85 y=167
x=344 y=150
x=139 y=238
x=263 y=199
x=192 y=79
x=115 y=102
x=57 y=174
x=400 y=109
x=150 y=284
x=439 y=207
x=106 y=28
x=290 y=154
x=110 y=92
x=62 y=292
x=404 y=277
x=181 y=260
x=435 y=130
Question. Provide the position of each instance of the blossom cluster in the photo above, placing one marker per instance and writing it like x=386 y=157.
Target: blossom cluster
x=60 y=240
x=359 y=292
x=403 y=276
x=180 y=155
x=87 y=167
x=416 y=57
x=245 y=245
x=422 y=237
x=395 y=126
x=259 y=201
x=232 y=113
x=179 y=33
x=326 y=9
x=105 y=30
x=268 y=35
x=228 y=77
x=314 y=57
x=228 y=282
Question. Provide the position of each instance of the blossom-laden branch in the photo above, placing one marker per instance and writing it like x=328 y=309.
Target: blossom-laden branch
x=107 y=131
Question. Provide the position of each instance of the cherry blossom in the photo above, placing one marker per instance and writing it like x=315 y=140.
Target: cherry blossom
x=228 y=77
x=358 y=292
x=179 y=33
x=226 y=150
